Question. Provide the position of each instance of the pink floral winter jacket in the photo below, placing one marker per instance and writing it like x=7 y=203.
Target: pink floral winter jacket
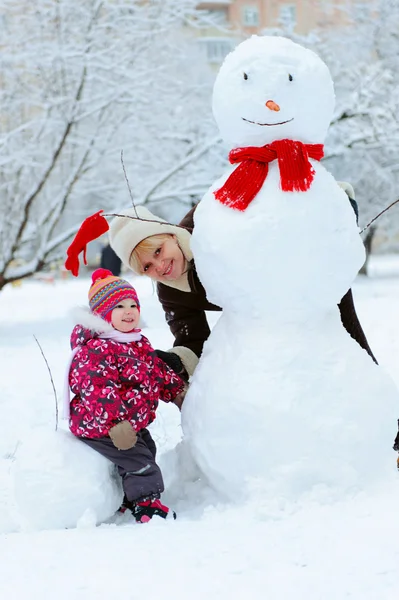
x=114 y=382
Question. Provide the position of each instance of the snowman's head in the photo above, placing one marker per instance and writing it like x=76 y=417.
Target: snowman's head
x=270 y=88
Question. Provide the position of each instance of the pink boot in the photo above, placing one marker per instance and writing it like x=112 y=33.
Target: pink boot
x=144 y=510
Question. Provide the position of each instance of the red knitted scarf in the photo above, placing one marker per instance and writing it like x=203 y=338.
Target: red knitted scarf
x=296 y=172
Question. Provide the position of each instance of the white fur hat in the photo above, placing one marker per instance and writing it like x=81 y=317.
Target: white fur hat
x=136 y=224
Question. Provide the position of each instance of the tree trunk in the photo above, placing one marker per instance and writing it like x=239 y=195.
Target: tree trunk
x=368 y=244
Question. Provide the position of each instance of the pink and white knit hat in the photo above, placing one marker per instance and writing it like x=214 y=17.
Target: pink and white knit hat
x=106 y=291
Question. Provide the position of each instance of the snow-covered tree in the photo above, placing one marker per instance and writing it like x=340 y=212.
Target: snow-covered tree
x=363 y=141
x=79 y=82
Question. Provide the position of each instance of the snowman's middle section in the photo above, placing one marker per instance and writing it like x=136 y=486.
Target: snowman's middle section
x=288 y=251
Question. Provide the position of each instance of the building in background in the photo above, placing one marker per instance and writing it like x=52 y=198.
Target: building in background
x=232 y=20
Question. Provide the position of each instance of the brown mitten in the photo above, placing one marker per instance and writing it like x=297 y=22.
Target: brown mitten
x=123 y=435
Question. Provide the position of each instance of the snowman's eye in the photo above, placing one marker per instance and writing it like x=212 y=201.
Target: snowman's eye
x=290 y=77
x=245 y=76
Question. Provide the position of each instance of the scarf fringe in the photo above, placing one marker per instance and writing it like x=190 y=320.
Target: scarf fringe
x=298 y=185
x=244 y=183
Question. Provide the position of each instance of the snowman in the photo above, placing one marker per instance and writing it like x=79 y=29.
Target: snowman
x=283 y=400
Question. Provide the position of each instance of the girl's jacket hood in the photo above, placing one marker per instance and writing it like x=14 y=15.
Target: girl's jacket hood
x=91 y=326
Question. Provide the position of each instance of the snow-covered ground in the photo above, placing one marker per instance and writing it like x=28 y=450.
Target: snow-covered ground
x=262 y=549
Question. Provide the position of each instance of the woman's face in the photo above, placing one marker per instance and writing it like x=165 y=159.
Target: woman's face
x=166 y=262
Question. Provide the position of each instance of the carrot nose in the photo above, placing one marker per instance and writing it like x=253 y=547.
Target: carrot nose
x=272 y=105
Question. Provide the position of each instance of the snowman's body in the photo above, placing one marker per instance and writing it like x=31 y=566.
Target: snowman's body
x=283 y=397
x=59 y=482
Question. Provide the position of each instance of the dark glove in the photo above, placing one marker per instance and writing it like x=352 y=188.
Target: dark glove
x=396 y=442
x=123 y=435
x=173 y=361
x=355 y=208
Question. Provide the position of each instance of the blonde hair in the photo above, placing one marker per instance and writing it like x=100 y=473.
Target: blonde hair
x=149 y=244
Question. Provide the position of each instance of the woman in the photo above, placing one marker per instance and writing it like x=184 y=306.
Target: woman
x=149 y=246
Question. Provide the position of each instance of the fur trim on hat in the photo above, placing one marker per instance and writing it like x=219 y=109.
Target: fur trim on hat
x=347 y=188
x=188 y=357
x=81 y=315
x=139 y=223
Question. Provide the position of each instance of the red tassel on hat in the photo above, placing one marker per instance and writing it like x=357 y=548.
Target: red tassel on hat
x=90 y=230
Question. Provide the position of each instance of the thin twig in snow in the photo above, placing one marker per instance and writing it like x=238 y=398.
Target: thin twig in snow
x=52 y=383
x=11 y=455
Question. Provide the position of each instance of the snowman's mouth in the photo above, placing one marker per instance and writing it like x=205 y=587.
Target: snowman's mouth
x=267 y=124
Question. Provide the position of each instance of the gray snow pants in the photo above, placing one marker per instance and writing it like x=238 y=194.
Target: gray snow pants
x=141 y=476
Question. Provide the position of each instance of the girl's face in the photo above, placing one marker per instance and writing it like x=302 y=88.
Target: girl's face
x=166 y=262
x=125 y=316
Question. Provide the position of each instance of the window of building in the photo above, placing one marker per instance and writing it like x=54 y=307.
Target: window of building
x=288 y=14
x=217 y=48
x=217 y=16
x=250 y=16
x=220 y=16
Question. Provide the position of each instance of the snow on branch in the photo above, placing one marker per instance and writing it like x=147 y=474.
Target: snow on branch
x=81 y=82
x=194 y=155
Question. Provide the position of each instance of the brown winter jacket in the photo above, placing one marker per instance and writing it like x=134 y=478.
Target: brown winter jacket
x=185 y=313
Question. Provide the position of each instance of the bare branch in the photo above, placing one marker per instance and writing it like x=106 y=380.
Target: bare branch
x=144 y=220
x=379 y=215
x=128 y=184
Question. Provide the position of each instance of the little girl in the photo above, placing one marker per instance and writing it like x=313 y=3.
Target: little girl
x=118 y=381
